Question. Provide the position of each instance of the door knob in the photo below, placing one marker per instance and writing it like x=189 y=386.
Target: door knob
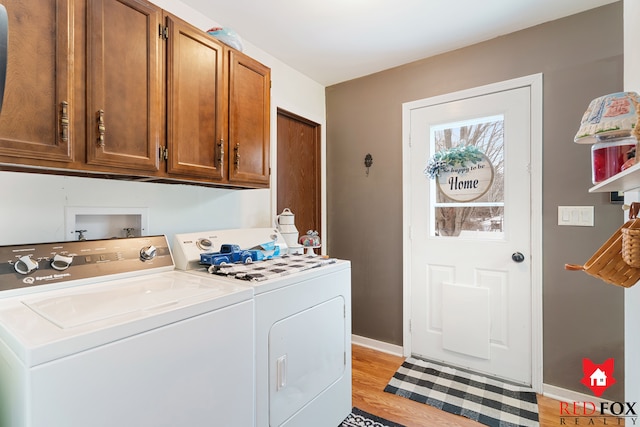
x=517 y=257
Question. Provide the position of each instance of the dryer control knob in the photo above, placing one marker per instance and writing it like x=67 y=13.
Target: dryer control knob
x=25 y=265
x=204 y=244
x=148 y=252
x=61 y=262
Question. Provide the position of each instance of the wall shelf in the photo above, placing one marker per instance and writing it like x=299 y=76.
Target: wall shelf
x=626 y=180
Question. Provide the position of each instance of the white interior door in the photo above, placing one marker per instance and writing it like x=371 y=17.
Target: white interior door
x=470 y=260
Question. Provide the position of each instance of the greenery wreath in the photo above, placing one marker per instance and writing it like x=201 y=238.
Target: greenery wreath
x=450 y=157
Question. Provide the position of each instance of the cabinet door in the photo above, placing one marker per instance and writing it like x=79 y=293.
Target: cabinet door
x=249 y=98
x=124 y=84
x=38 y=98
x=196 y=122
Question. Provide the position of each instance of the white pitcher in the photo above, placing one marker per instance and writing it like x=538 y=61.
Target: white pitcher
x=285 y=218
x=285 y=223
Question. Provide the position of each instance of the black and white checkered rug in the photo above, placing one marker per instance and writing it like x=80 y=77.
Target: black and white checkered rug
x=360 y=418
x=481 y=399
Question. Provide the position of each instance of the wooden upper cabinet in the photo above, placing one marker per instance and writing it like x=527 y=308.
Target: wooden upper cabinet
x=196 y=122
x=125 y=102
x=38 y=108
x=121 y=87
x=249 y=109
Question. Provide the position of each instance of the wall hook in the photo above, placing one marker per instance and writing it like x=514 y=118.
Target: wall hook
x=368 y=161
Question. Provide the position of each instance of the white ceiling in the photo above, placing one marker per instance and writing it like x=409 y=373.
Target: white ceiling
x=332 y=41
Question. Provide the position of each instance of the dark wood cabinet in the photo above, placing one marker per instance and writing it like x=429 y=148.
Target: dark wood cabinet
x=39 y=104
x=125 y=105
x=249 y=109
x=122 y=89
x=218 y=102
x=196 y=111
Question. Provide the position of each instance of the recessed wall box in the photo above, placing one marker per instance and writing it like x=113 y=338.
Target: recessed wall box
x=105 y=222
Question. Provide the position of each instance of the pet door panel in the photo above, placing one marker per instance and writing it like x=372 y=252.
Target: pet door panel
x=468 y=334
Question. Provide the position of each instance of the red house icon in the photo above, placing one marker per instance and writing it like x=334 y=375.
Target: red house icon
x=598 y=378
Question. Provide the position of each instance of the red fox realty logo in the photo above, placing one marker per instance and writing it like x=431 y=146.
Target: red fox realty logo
x=597 y=378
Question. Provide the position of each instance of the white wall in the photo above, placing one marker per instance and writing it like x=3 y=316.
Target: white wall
x=32 y=207
x=631 y=37
x=631 y=295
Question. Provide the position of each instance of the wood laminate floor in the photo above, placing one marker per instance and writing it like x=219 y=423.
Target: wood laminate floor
x=372 y=370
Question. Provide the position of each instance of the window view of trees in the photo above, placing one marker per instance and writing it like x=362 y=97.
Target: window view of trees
x=485 y=213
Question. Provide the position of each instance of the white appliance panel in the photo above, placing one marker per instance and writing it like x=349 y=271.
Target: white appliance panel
x=309 y=289
x=40 y=267
x=189 y=246
x=183 y=374
x=324 y=402
x=116 y=339
x=13 y=389
x=306 y=355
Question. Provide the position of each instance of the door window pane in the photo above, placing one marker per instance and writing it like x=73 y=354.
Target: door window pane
x=484 y=217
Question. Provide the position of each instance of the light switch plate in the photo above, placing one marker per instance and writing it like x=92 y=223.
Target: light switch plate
x=581 y=216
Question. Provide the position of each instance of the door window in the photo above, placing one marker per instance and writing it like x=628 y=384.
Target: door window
x=483 y=217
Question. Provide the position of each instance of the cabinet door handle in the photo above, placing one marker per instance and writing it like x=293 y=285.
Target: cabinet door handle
x=221 y=153
x=64 y=121
x=101 y=128
x=236 y=156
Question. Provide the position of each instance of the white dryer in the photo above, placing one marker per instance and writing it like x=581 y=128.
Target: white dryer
x=106 y=333
x=302 y=331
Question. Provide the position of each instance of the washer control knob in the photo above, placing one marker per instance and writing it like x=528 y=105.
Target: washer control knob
x=148 y=252
x=25 y=265
x=61 y=262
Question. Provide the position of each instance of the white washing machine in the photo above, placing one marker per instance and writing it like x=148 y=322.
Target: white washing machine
x=107 y=333
x=302 y=330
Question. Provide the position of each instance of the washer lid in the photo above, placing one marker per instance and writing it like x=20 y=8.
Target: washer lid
x=49 y=325
x=81 y=308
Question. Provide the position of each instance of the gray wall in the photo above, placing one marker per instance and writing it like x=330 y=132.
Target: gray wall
x=583 y=317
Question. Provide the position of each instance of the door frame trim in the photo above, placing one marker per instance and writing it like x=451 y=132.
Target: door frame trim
x=535 y=83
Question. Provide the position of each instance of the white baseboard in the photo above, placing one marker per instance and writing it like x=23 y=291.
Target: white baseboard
x=382 y=346
x=564 y=395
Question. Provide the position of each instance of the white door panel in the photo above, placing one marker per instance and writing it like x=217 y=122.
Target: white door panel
x=470 y=301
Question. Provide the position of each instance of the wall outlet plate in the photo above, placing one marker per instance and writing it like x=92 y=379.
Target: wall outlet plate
x=581 y=216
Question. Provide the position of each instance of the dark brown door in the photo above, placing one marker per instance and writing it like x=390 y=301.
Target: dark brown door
x=299 y=170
